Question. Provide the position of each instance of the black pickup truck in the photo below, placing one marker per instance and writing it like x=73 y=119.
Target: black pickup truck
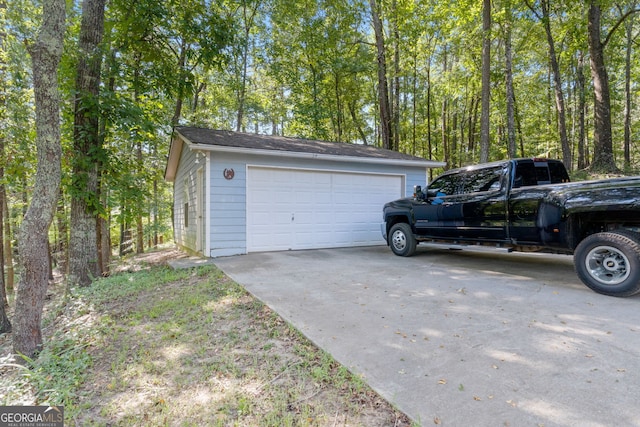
x=528 y=205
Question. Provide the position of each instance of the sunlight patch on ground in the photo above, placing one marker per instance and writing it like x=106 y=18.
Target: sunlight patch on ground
x=504 y=356
x=223 y=303
x=175 y=353
x=561 y=415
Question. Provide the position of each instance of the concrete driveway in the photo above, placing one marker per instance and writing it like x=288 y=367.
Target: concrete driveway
x=461 y=338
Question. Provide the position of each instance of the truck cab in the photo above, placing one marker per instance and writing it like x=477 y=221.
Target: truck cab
x=471 y=203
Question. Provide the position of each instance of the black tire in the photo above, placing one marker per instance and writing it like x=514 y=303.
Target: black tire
x=402 y=240
x=609 y=262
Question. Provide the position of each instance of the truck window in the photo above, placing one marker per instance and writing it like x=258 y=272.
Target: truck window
x=542 y=174
x=446 y=185
x=558 y=173
x=525 y=175
x=483 y=180
x=539 y=173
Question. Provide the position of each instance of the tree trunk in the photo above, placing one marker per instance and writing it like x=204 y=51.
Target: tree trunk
x=103 y=232
x=627 y=93
x=557 y=83
x=32 y=236
x=5 y=324
x=248 y=16
x=445 y=132
x=61 y=244
x=182 y=61
x=583 y=161
x=139 y=210
x=8 y=250
x=429 y=143
x=511 y=125
x=414 y=105
x=395 y=104
x=383 y=87
x=603 y=160
x=486 y=81
x=85 y=202
x=356 y=122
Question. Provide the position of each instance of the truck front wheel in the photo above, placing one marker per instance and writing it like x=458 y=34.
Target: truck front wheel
x=401 y=239
x=609 y=262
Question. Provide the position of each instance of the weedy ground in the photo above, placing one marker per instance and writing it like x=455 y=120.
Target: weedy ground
x=153 y=346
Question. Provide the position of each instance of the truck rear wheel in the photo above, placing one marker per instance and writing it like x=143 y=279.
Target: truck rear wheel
x=609 y=262
x=401 y=239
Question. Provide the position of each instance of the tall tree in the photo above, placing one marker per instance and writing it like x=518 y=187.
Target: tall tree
x=5 y=324
x=248 y=10
x=85 y=203
x=508 y=61
x=629 y=42
x=395 y=90
x=486 y=81
x=384 y=103
x=33 y=233
x=545 y=17
x=582 y=102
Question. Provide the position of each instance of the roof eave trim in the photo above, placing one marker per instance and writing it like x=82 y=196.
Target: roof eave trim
x=301 y=155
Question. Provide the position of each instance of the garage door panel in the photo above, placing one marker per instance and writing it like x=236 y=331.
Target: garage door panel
x=303 y=209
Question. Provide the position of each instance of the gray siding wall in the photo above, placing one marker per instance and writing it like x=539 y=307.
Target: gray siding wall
x=227 y=198
x=227 y=205
x=185 y=193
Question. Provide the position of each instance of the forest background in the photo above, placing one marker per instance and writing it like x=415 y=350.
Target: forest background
x=459 y=81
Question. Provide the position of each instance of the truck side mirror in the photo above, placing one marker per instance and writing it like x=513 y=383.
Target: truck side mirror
x=417 y=192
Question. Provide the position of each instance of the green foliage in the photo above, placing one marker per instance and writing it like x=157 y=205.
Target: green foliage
x=59 y=370
x=301 y=68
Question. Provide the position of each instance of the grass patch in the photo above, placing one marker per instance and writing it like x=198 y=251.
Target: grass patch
x=187 y=347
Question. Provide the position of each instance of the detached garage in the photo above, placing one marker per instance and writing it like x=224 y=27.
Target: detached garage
x=236 y=193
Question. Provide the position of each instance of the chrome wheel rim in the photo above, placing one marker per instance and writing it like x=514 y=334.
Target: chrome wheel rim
x=399 y=240
x=607 y=265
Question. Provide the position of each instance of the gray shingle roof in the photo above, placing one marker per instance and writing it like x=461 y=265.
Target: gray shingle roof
x=280 y=143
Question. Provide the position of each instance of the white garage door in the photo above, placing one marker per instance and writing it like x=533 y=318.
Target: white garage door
x=303 y=209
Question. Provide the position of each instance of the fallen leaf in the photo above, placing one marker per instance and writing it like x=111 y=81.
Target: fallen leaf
x=442 y=381
x=477 y=398
x=437 y=421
